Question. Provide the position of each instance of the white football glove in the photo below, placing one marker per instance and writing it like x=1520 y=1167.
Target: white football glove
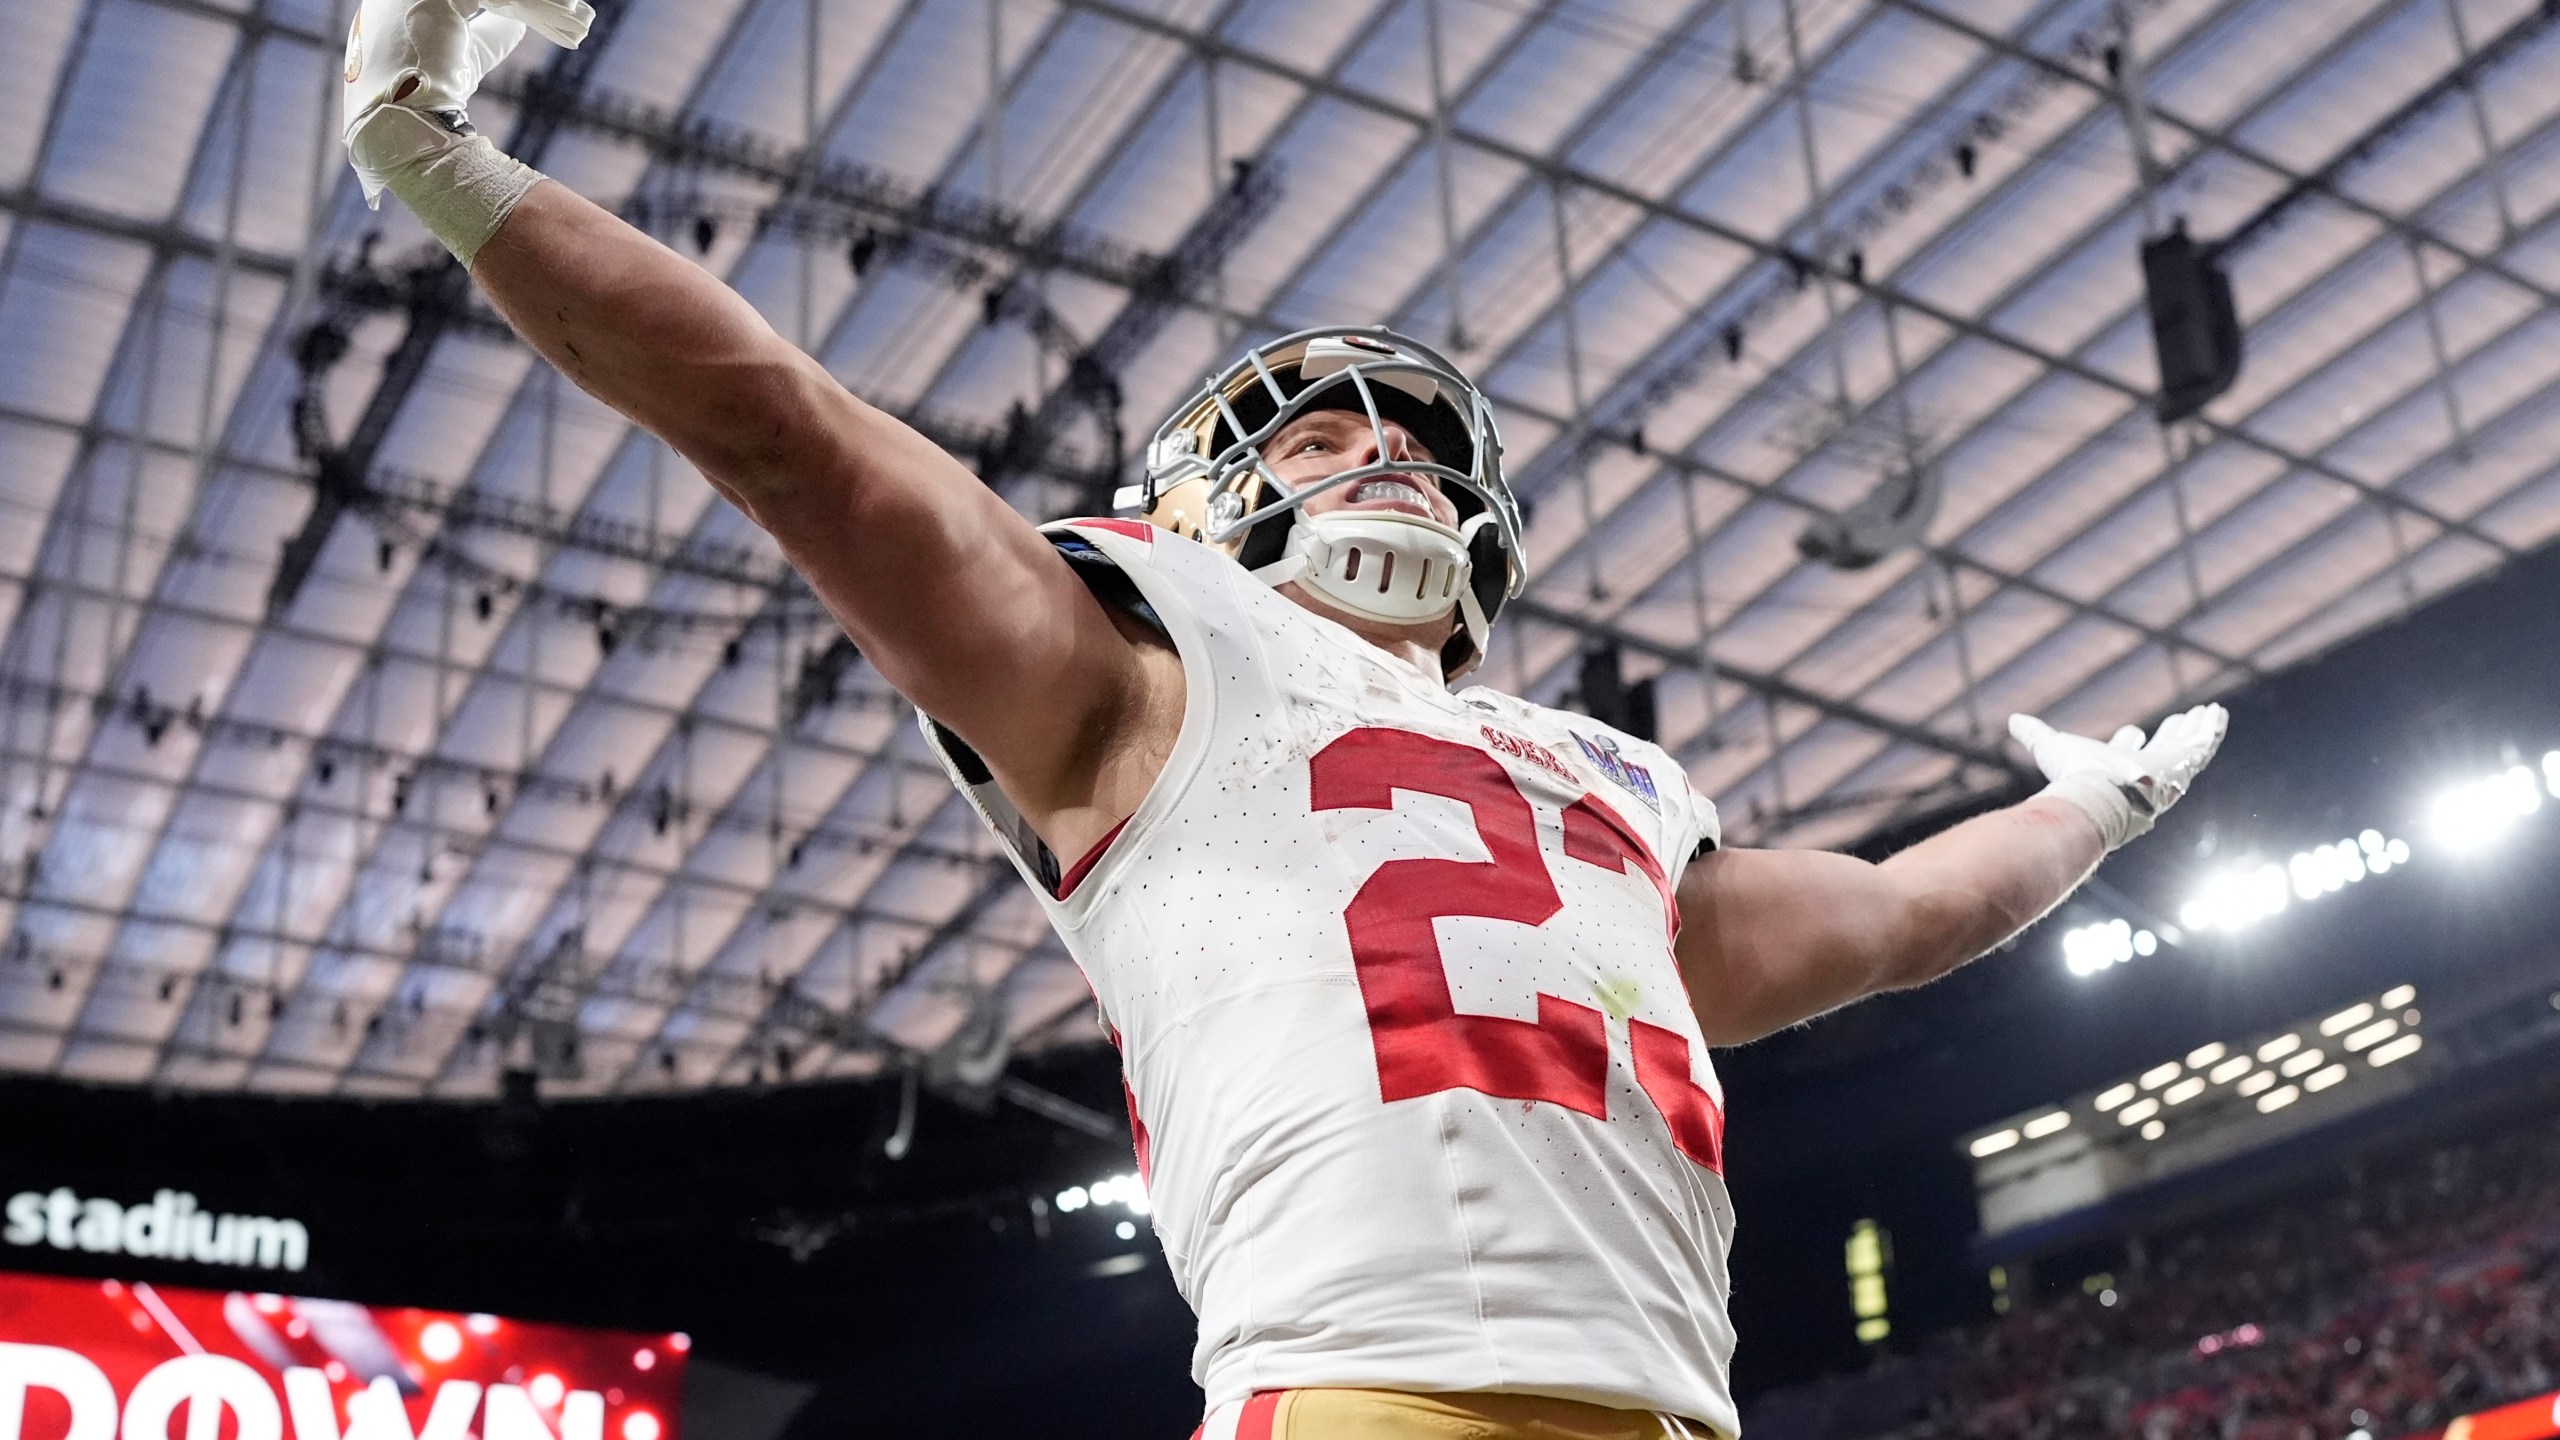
x=412 y=68
x=2124 y=783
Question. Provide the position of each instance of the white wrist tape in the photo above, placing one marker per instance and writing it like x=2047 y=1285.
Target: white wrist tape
x=459 y=184
x=2119 y=815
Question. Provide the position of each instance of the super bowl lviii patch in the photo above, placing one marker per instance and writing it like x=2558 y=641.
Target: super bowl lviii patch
x=1603 y=752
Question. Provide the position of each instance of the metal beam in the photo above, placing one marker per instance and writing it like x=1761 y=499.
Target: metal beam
x=2324 y=181
x=1811 y=265
x=163 y=238
x=1774 y=688
x=861 y=191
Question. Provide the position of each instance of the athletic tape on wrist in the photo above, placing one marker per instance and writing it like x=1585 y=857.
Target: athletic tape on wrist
x=464 y=193
x=2118 y=818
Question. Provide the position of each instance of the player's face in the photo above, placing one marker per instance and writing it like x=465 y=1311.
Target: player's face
x=1324 y=443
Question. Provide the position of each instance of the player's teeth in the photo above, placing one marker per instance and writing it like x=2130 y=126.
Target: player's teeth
x=1386 y=490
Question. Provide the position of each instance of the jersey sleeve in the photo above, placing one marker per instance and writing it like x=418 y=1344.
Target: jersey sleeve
x=1705 y=825
x=1693 y=825
x=1031 y=855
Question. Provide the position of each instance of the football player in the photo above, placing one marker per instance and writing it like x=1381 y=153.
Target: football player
x=1414 y=990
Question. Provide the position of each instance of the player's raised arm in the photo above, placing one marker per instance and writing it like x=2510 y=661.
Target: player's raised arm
x=1772 y=937
x=957 y=600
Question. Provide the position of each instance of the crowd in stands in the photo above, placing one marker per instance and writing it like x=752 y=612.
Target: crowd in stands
x=2388 y=1306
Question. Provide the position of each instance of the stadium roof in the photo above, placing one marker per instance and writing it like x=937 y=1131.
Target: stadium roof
x=377 y=713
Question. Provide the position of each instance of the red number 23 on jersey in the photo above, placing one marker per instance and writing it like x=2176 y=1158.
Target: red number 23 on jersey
x=1423 y=1044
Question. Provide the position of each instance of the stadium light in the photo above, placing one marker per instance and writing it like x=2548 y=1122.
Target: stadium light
x=2464 y=817
x=2237 y=898
x=1122 y=1190
x=2093 y=948
x=1993 y=1143
x=2470 y=815
x=2400 y=1049
x=2272 y=1073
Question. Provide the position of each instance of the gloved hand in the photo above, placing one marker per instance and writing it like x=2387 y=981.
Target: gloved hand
x=413 y=66
x=2124 y=783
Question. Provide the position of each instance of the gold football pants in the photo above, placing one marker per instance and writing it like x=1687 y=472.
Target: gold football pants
x=1401 y=1415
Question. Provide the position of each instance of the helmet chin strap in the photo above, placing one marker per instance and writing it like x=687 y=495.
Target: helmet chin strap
x=1379 y=565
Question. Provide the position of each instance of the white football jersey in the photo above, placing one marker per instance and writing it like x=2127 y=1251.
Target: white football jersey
x=1417 y=1089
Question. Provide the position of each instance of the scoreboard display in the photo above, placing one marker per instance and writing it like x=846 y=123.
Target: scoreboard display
x=102 y=1359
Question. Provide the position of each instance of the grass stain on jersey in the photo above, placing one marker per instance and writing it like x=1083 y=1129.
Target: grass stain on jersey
x=1618 y=995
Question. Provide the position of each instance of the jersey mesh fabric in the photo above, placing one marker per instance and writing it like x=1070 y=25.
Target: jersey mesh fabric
x=1356 y=1181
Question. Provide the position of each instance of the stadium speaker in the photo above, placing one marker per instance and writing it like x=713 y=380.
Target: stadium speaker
x=1609 y=699
x=2195 y=327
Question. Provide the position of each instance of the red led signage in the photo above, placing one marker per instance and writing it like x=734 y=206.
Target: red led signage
x=96 y=1360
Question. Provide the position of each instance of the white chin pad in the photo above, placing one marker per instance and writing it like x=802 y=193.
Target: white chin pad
x=1400 y=569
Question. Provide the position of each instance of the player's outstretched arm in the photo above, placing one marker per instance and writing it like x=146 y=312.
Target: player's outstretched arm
x=956 y=599
x=1769 y=938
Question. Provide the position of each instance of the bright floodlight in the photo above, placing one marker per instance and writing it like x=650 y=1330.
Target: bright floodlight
x=2275 y=1100
x=2237 y=899
x=2120 y=1094
x=2398 y=995
x=2400 y=1049
x=2049 y=1123
x=2092 y=948
x=2551 y=772
x=1993 y=1143
x=2472 y=814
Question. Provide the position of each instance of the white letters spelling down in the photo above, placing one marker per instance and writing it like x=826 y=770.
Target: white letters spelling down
x=207 y=1385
